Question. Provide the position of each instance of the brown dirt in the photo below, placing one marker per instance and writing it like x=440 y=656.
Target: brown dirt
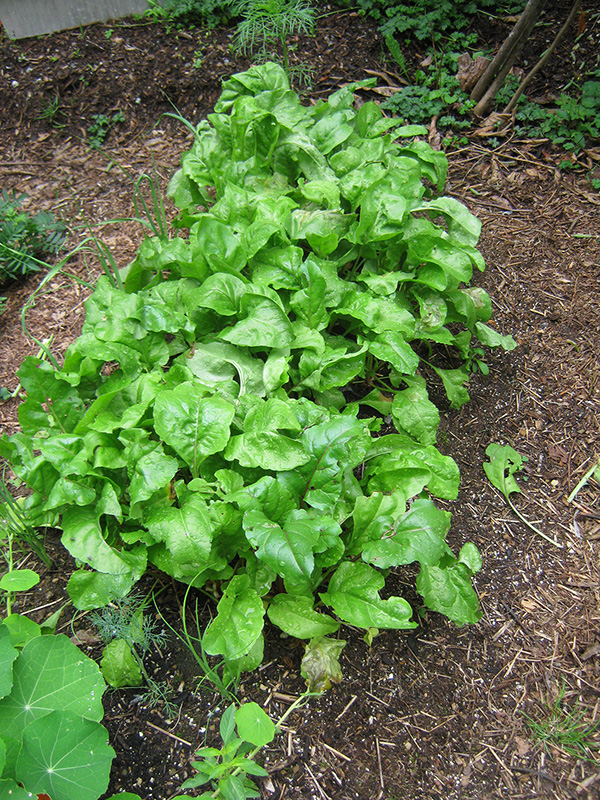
x=440 y=713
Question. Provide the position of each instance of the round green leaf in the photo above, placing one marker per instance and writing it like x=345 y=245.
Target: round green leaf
x=254 y=725
x=66 y=756
x=51 y=673
x=119 y=666
x=19 y=580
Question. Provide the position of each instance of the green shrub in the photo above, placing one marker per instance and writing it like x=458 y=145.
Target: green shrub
x=25 y=239
x=199 y=12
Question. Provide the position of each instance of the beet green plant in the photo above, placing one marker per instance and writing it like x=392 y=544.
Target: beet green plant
x=201 y=423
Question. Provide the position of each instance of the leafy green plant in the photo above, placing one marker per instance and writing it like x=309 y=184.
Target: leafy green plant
x=99 y=129
x=267 y=22
x=24 y=239
x=572 y=124
x=51 y=111
x=244 y=731
x=504 y=462
x=199 y=423
x=128 y=634
x=51 y=739
x=427 y=20
x=192 y=12
x=565 y=730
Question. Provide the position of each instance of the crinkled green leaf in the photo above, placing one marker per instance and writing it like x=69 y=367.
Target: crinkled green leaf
x=353 y=593
x=418 y=535
x=413 y=411
x=492 y=338
x=8 y=654
x=194 y=425
x=449 y=591
x=238 y=623
x=119 y=666
x=295 y=615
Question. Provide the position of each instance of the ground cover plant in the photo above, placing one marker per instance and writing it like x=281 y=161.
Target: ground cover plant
x=199 y=422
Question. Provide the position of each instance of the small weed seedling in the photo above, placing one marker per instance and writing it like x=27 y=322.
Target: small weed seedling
x=24 y=238
x=227 y=769
x=565 y=730
x=100 y=127
x=504 y=462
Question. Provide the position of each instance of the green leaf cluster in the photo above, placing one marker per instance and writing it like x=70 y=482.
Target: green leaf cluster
x=51 y=739
x=244 y=732
x=199 y=423
x=24 y=239
x=572 y=124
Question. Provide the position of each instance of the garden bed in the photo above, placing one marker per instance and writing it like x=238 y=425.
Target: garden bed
x=436 y=712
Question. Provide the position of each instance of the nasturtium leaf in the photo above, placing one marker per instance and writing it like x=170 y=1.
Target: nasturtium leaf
x=254 y=725
x=238 y=623
x=295 y=615
x=194 y=425
x=65 y=756
x=19 y=580
x=449 y=591
x=412 y=411
x=10 y=790
x=320 y=663
x=8 y=654
x=418 y=535
x=119 y=666
x=353 y=593
x=72 y=682
x=22 y=629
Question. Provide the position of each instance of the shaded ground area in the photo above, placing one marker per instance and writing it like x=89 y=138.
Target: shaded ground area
x=441 y=712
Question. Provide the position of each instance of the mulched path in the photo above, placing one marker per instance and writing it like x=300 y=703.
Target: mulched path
x=441 y=712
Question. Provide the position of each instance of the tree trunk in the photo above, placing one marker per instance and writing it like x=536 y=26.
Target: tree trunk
x=492 y=79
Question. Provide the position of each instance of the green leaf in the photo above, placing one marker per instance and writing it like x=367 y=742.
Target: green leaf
x=504 y=462
x=65 y=756
x=51 y=674
x=419 y=535
x=454 y=381
x=320 y=663
x=394 y=348
x=119 y=666
x=288 y=550
x=238 y=623
x=353 y=593
x=295 y=615
x=9 y=790
x=462 y=225
x=449 y=591
x=89 y=589
x=215 y=245
x=19 y=580
x=492 y=338
x=8 y=654
x=186 y=531
x=22 y=629
x=413 y=411
x=254 y=725
x=195 y=426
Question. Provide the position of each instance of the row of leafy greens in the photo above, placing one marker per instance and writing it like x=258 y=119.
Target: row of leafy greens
x=199 y=423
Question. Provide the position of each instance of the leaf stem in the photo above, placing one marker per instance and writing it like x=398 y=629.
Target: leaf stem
x=531 y=526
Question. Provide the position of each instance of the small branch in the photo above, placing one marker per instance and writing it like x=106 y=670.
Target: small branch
x=543 y=60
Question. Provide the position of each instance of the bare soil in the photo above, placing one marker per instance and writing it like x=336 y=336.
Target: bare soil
x=441 y=712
